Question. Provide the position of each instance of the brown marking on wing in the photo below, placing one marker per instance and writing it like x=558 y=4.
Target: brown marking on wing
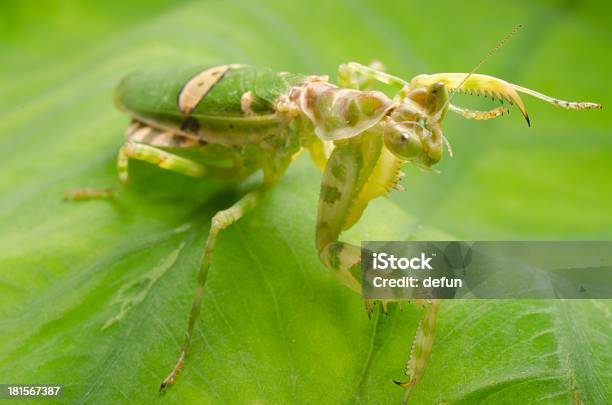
x=198 y=86
x=245 y=103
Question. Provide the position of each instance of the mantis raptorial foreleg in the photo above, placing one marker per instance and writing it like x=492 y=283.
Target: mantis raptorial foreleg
x=343 y=180
x=478 y=115
x=348 y=185
x=356 y=173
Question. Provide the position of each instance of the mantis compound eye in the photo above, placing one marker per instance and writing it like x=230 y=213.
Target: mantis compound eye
x=439 y=100
x=437 y=88
x=403 y=142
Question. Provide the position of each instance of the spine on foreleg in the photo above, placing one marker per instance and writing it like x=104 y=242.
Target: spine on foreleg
x=421 y=346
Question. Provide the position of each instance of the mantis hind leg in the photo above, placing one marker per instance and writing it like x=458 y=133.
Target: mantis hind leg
x=220 y=221
x=156 y=156
x=146 y=153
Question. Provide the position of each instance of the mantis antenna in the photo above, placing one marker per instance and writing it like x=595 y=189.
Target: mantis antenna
x=483 y=60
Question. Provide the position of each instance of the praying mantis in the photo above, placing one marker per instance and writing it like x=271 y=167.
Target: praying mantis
x=230 y=121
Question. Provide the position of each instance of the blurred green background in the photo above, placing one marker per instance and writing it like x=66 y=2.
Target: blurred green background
x=276 y=327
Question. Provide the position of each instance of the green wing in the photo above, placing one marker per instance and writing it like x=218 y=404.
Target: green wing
x=154 y=94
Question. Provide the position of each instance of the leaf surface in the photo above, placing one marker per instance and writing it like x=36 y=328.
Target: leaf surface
x=96 y=295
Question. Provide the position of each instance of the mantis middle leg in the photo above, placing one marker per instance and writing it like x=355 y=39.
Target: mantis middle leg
x=358 y=76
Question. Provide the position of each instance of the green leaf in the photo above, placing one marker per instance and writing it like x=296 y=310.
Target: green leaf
x=96 y=295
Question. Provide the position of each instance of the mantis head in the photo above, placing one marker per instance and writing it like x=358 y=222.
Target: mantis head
x=413 y=131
